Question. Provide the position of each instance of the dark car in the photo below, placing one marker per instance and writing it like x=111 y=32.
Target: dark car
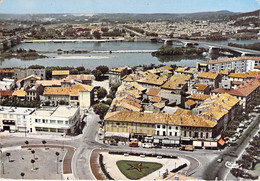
x=113 y=144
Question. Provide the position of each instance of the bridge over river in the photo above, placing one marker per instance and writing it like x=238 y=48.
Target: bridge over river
x=215 y=47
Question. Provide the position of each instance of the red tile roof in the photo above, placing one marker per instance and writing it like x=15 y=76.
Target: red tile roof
x=153 y=92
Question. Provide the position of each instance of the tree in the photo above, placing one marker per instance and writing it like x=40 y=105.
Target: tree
x=100 y=109
x=44 y=142
x=32 y=162
x=96 y=73
x=96 y=34
x=109 y=101
x=62 y=102
x=8 y=155
x=27 y=143
x=57 y=154
x=74 y=72
x=253 y=151
x=33 y=152
x=103 y=69
x=36 y=67
x=22 y=175
x=81 y=68
x=101 y=93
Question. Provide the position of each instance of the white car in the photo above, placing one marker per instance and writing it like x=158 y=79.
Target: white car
x=147 y=145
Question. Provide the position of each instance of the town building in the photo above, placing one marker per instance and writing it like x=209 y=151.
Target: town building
x=60 y=74
x=116 y=74
x=15 y=118
x=56 y=120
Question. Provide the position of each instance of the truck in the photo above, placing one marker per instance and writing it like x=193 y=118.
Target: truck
x=186 y=148
x=133 y=144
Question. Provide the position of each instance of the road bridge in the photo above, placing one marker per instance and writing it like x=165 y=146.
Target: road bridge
x=214 y=47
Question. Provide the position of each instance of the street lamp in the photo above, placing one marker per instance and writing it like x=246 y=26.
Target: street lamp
x=3 y=170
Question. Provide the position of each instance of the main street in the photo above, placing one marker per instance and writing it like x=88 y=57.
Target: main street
x=230 y=154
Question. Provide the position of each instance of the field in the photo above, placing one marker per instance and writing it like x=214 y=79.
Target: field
x=135 y=170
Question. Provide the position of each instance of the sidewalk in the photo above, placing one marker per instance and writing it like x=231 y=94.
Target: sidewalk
x=95 y=167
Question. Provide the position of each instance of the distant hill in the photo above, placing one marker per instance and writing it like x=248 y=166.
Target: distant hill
x=126 y=17
x=252 y=13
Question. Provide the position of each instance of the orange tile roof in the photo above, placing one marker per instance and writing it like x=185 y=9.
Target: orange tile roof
x=57 y=91
x=246 y=88
x=236 y=83
x=156 y=99
x=6 y=70
x=49 y=83
x=238 y=75
x=78 y=77
x=201 y=87
x=60 y=72
x=19 y=93
x=199 y=97
x=6 y=92
x=253 y=73
x=153 y=92
x=208 y=75
x=167 y=67
x=160 y=118
x=176 y=81
x=190 y=102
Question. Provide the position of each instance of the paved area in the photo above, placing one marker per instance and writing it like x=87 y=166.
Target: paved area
x=45 y=167
x=110 y=164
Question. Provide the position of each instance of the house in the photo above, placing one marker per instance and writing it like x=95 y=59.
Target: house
x=152 y=81
x=212 y=79
x=190 y=104
x=58 y=120
x=198 y=98
x=20 y=94
x=15 y=118
x=116 y=74
x=6 y=73
x=60 y=74
x=221 y=108
x=247 y=91
x=34 y=92
x=76 y=95
x=183 y=127
x=239 y=64
x=39 y=72
x=200 y=89
x=185 y=70
x=27 y=81
x=178 y=83
x=49 y=83
x=7 y=84
x=82 y=78
x=6 y=94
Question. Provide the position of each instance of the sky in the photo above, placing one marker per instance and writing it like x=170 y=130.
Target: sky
x=125 y=6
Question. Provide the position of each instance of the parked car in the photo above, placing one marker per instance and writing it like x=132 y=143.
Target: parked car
x=147 y=145
x=133 y=144
x=187 y=148
x=113 y=144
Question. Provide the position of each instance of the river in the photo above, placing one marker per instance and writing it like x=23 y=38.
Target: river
x=92 y=60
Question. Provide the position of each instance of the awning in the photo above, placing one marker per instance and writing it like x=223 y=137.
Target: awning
x=214 y=144
x=166 y=141
x=207 y=144
x=115 y=134
x=197 y=143
x=156 y=141
x=177 y=142
x=221 y=142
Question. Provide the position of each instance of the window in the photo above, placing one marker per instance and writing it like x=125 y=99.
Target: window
x=163 y=126
x=207 y=135
x=37 y=120
x=170 y=127
x=60 y=122
x=201 y=135
x=158 y=133
x=164 y=134
x=66 y=122
x=170 y=133
x=117 y=123
x=185 y=134
x=158 y=126
x=177 y=127
x=43 y=121
x=175 y=133
x=52 y=121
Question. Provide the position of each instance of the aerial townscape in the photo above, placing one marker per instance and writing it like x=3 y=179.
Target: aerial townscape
x=129 y=90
